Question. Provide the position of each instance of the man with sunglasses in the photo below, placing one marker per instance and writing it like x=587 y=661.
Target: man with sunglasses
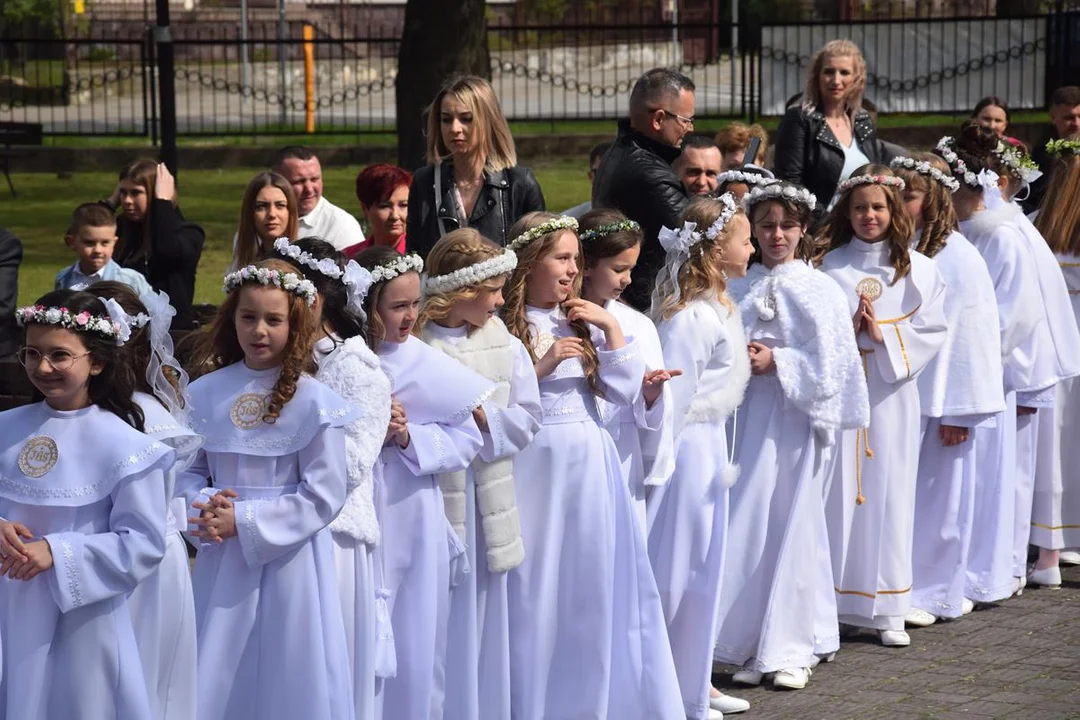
x=11 y=252
x=636 y=176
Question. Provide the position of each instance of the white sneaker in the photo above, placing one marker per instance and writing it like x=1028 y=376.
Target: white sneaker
x=748 y=677
x=715 y=715
x=792 y=678
x=1050 y=577
x=728 y=705
x=967 y=607
x=894 y=638
x=919 y=618
x=1069 y=557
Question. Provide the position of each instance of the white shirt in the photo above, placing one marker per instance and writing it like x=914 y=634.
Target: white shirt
x=854 y=158
x=332 y=224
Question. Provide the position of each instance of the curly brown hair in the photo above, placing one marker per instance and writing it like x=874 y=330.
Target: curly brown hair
x=702 y=275
x=218 y=346
x=838 y=230
x=939 y=215
x=454 y=251
x=513 y=312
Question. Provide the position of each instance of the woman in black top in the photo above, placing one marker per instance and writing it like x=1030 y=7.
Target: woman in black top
x=828 y=134
x=154 y=238
x=472 y=178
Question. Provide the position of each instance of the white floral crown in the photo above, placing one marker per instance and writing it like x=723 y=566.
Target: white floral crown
x=116 y=328
x=1018 y=162
x=287 y=281
x=471 y=274
x=780 y=191
x=1061 y=148
x=730 y=208
x=356 y=279
x=882 y=180
x=397 y=266
x=604 y=230
x=959 y=169
x=682 y=240
x=751 y=179
x=563 y=222
x=926 y=170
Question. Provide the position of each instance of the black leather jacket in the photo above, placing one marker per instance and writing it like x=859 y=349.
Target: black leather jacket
x=11 y=253
x=808 y=153
x=505 y=197
x=636 y=178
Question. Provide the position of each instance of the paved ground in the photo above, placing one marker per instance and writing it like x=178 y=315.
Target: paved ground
x=1018 y=659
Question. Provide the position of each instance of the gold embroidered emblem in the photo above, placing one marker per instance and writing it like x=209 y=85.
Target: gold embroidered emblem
x=38 y=456
x=870 y=287
x=248 y=410
x=543 y=344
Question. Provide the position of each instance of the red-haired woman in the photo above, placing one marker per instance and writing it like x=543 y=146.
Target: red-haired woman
x=383 y=192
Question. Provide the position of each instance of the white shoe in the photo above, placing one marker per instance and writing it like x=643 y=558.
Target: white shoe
x=919 y=618
x=1050 y=577
x=792 y=678
x=1019 y=583
x=748 y=677
x=1069 y=557
x=728 y=705
x=715 y=715
x=967 y=607
x=894 y=638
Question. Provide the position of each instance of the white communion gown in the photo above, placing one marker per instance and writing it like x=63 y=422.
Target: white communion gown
x=278 y=572
x=872 y=565
x=772 y=594
x=954 y=391
x=688 y=516
x=92 y=487
x=587 y=634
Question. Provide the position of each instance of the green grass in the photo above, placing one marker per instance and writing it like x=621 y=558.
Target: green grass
x=36 y=73
x=211 y=198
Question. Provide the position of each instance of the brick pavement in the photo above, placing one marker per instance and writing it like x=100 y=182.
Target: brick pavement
x=1016 y=659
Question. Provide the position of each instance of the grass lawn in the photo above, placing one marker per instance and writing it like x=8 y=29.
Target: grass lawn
x=211 y=198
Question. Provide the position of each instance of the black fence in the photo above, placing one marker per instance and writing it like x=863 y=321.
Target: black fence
x=923 y=56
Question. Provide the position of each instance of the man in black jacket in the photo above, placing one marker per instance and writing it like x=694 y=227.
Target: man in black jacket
x=11 y=252
x=636 y=176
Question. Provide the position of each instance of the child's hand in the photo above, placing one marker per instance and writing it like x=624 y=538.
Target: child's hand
x=653 y=384
x=217 y=517
x=582 y=309
x=761 y=359
x=953 y=435
x=398 y=429
x=39 y=559
x=164 y=184
x=12 y=548
x=481 y=419
x=870 y=321
x=562 y=349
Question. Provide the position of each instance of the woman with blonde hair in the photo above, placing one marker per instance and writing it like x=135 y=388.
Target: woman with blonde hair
x=823 y=139
x=472 y=178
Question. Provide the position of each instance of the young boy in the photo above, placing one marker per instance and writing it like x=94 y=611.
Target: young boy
x=92 y=235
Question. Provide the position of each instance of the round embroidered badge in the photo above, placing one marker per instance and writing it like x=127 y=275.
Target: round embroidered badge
x=870 y=287
x=38 y=456
x=248 y=410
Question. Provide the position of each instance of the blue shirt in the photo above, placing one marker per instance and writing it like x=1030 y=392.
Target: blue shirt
x=72 y=276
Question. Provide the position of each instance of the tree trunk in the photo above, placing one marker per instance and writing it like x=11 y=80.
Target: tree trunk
x=440 y=38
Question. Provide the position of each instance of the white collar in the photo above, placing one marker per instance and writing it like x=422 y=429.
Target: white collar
x=312 y=218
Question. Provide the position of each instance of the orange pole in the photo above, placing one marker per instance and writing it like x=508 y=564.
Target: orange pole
x=309 y=79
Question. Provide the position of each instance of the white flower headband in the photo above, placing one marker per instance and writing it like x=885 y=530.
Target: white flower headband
x=471 y=274
x=730 y=208
x=397 y=266
x=746 y=178
x=926 y=170
x=356 y=279
x=779 y=191
x=959 y=169
x=882 y=180
x=604 y=230
x=563 y=222
x=116 y=326
x=1019 y=163
x=1061 y=148
x=287 y=281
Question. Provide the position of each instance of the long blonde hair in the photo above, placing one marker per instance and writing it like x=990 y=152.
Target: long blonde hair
x=493 y=139
x=811 y=99
x=702 y=275
x=939 y=215
x=513 y=312
x=455 y=250
x=1059 y=212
